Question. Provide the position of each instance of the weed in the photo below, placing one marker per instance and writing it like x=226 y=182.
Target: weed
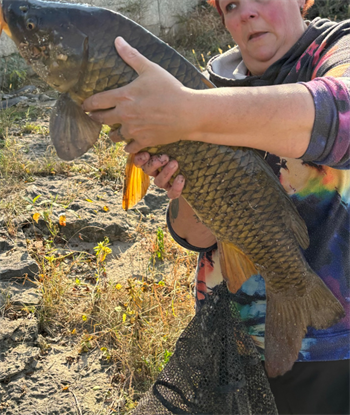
x=135 y=9
x=134 y=323
x=30 y=128
x=17 y=78
x=111 y=158
x=201 y=36
x=332 y=9
x=158 y=247
x=102 y=250
x=13 y=72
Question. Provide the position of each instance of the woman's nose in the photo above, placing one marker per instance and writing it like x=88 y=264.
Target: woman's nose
x=248 y=10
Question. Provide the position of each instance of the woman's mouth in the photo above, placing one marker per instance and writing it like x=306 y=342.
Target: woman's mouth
x=257 y=35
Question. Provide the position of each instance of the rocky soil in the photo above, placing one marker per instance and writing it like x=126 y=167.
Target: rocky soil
x=42 y=373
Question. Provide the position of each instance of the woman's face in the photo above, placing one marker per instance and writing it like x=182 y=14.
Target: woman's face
x=263 y=29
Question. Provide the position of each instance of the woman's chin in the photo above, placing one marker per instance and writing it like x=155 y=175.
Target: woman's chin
x=260 y=60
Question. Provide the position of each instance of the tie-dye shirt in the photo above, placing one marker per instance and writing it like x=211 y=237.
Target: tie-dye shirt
x=318 y=183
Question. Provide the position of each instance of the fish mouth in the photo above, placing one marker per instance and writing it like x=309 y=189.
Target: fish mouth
x=256 y=35
x=3 y=25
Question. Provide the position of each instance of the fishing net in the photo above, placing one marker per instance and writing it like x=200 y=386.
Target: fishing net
x=215 y=368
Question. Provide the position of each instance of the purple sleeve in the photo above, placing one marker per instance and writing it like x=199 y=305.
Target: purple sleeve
x=330 y=139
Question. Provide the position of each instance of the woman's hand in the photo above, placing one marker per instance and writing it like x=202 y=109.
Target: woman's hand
x=151 y=165
x=153 y=109
x=183 y=219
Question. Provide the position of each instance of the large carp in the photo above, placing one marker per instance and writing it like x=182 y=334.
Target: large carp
x=232 y=190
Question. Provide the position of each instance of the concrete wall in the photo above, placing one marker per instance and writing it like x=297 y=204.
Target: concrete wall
x=155 y=15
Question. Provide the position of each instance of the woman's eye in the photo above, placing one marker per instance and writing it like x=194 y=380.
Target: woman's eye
x=230 y=6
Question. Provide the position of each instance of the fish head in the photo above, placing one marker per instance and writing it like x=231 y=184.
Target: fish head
x=47 y=39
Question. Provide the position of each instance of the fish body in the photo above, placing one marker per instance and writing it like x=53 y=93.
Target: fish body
x=231 y=189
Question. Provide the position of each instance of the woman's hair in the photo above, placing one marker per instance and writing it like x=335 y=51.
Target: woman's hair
x=304 y=10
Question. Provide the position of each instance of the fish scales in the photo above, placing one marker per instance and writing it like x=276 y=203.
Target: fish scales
x=269 y=233
x=97 y=74
x=232 y=190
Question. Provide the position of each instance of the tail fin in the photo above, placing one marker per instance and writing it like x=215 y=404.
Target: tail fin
x=287 y=320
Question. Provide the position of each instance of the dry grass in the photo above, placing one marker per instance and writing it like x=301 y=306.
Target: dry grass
x=20 y=166
x=134 y=323
x=201 y=35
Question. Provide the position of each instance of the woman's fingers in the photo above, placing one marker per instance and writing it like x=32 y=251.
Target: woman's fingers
x=141 y=158
x=116 y=135
x=176 y=189
x=163 y=178
x=151 y=165
x=154 y=164
x=135 y=146
x=132 y=56
x=101 y=101
x=107 y=116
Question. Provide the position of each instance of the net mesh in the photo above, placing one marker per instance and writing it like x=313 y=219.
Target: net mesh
x=215 y=368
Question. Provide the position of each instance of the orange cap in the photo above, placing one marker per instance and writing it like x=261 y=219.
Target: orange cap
x=215 y=3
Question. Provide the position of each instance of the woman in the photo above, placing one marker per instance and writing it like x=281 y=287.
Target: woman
x=285 y=90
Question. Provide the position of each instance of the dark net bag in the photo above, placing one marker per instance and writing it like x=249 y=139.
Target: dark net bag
x=215 y=368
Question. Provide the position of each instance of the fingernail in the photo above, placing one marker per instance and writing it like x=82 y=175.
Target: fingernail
x=180 y=179
x=173 y=164
x=120 y=41
x=142 y=157
x=163 y=158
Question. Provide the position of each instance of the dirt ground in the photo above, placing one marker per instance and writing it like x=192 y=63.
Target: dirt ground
x=43 y=372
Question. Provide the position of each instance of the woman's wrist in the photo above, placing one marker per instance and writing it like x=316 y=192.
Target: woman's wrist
x=187 y=225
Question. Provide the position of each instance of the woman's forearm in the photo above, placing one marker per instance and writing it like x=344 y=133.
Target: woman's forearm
x=186 y=224
x=283 y=121
x=278 y=119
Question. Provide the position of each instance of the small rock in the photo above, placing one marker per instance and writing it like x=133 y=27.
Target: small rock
x=20 y=330
x=17 y=360
x=5 y=245
x=12 y=102
x=19 y=294
x=17 y=263
x=43 y=97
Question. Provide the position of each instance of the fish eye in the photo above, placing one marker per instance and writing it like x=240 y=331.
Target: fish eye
x=23 y=9
x=30 y=25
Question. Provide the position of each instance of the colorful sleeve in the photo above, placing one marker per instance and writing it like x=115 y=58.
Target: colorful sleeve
x=330 y=88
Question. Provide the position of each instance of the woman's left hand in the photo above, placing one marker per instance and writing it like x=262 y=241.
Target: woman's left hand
x=153 y=109
x=151 y=166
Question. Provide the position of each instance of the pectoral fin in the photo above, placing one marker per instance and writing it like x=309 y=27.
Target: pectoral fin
x=72 y=131
x=136 y=183
x=236 y=267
